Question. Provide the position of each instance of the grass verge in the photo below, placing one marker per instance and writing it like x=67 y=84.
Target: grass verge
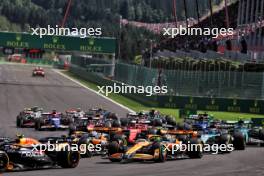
x=173 y=112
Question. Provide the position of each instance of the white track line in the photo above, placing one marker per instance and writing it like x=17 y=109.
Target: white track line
x=86 y=87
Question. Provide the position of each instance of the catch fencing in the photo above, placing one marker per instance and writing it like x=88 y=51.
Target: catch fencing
x=222 y=84
x=230 y=91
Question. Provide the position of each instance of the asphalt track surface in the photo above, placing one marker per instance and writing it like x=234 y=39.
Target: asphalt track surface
x=18 y=90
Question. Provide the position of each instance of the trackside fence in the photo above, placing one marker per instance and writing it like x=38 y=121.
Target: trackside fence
x=197 y=90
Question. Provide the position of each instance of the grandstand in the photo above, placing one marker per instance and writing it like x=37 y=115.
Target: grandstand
x=203 y=67
x=250 y=24
x=246 y=45
x=229 y=66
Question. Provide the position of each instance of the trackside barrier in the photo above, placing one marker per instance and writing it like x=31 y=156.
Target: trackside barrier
x=103 y=81
x=39 y=61
x=179 y=102
x=212 y=104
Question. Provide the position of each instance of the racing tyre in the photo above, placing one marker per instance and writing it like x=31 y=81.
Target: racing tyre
x=4 y=160
x=157 y=122
x=21 y=123
x=162 y=153
x=112 y=116
x=38 y=125
x=187 y=126
x=72 y=129
x=124 y=122
x=152 y=131
x=226 y=140
x=86 y=142
x=108 y=124
x=114 y=147
x=183 y=138
x=180 y=126
x=170 y=121
x=196 y=153
x=184 y=126
x=18 y=121
x=239 y=141
x=120 y=140
x=68 y=159
x=116 y=124
x=261 y=134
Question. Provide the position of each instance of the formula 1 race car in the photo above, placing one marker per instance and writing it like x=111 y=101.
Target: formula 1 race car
x=75 y=113
x=155 y=148
x=26 y=118
x=98 y=142
x=89 y=144
x=38 y=71
x=214 y=132
x=149 y=118
x=24 y=154
x=79 y=124
x=96 y=113
x=94 y=118
x=251 y=133
x=54 y=120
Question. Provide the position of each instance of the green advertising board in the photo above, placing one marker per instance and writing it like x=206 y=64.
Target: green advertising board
x=64 y=43
x=212 y=104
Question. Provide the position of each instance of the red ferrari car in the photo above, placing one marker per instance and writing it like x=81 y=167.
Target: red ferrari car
x=38 y=71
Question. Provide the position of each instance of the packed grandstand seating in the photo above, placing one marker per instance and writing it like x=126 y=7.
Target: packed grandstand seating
x=190 y=64
x=187 y=44
x=202 y=43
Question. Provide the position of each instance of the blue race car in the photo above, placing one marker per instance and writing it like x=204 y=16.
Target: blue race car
x=54 y=121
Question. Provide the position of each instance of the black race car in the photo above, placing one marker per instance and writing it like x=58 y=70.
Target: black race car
x=79 y=124
x=22 y=154
x=26 y=118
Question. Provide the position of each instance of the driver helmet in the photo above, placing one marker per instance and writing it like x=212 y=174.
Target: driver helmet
x=19 y=137
x=54 y=111
x=95 y=134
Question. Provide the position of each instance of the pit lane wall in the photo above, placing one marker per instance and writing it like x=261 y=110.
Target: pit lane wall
x=178 y=102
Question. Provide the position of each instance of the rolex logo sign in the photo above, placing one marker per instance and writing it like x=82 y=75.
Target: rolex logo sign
x=170 y=99
x=54 y=44
x=55 y=39
x=18 y=37
x=256 y=103
x=234 y=102
x=91 y=41
x=213 y=101
x=191 y=100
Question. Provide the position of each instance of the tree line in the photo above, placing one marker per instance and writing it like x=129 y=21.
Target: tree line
x=20 y=15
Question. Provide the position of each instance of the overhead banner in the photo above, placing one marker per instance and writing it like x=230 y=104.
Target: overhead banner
x=64 y=43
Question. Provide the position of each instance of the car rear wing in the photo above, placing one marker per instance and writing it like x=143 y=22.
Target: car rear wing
x=104 y=129
x=180 y=132
x=229 y=124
